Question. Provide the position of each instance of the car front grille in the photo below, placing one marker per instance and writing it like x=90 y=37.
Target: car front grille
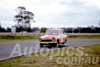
x=46 y=40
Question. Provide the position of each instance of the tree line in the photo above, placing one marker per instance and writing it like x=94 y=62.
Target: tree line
x=66 y=30
x=90 y=29
x=82 y=30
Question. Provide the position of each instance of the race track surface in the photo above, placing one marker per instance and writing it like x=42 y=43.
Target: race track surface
x=6 y=48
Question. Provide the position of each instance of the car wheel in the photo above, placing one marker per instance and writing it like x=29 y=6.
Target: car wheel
x=41 y=45
x=57 y=45
x=65 y=43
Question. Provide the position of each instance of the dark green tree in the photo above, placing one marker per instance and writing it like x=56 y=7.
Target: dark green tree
x=43 y=30
x=24 y=17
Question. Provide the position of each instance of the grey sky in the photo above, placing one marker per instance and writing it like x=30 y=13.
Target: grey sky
x=53 y=13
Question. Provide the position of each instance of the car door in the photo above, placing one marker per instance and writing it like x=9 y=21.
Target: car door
x=61 y=36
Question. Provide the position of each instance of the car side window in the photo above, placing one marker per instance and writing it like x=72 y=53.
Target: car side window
x=61 y=32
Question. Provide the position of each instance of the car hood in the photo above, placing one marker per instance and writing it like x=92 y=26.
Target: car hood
x=48 y=36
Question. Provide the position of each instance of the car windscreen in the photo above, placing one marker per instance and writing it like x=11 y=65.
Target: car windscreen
x=49 y=32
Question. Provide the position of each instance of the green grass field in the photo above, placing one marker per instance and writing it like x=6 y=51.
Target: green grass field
x=38 y=60
x=18 y=37
x=33 y=36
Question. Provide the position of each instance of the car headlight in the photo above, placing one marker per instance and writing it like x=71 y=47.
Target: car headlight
x=53 y=38
x=39 y=38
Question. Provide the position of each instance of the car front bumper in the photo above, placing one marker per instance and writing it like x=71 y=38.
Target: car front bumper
x=47 y=42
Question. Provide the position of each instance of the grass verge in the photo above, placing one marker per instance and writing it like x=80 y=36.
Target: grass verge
x=84 y=36
x=18 y=37
x=50 y=60
x=33 y=36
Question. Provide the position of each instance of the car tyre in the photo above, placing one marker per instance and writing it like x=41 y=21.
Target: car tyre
x=41 y=45
x=65 y=43
x=57 y=45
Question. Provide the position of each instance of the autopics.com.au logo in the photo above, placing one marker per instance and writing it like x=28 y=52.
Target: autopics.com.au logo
x=70 y=55
x=73 y=55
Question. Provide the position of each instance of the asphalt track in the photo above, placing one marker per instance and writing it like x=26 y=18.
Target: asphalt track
x=7 y=49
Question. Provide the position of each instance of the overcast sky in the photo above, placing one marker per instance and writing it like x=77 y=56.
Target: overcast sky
x=53 y=13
